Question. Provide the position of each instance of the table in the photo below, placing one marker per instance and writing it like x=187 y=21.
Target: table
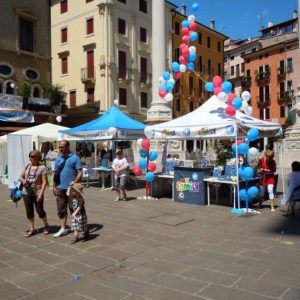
x=103 y=171
x=170 y=179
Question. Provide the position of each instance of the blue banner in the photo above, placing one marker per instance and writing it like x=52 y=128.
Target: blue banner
x=17 y=116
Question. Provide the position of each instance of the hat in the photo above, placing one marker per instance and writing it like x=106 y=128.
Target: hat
x=77 y=187
x=269 y=153
x=119 y=150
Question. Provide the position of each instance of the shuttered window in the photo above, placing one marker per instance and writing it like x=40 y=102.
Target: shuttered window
x=26 y=35
x=90 y=26
x=64 y=65
x=73 y=99
x=64 y=35
x=63 y=6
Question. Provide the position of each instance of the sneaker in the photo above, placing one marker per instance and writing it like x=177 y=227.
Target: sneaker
x=118 y=199
x=61 y=232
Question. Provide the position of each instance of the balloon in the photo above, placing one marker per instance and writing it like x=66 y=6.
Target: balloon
x=58 y=119
x=253 y=192
x=182 y=68
x=230 y=111
x=193 y=36
x=169 y=86
x=161 y=81
x=143 y=163
x=139 y=142
x=177 y=75
x=151 y=166
x=183 y=46
x=217 y=81
x=253 y=152
x=175 y=66
x=195 y=7
x=166 y=75
x=169 y=97
x=145 y=144
x=185 y=52
x=185 y=23
x=186 y=39
x=241 y=171
x=112 y=131
x=231 y=96
x=246 y=96
x=143 y=153
x=182 y=59
x=209 y=86
x=192 y=56
x=191 y=18
x=217 y=90
x=243 y=148
x=239 y=141
x=149 y=177
x=237 y=103
x=192 y=49
x=136 y=170
x=244 y=106
x=248 y=173
x=253 y=134
x=222 y=96
x=233 y=147
x=116 y=102
x=227 y=87
x=184 y=30
x=190 y=66
x=249 y=111
x=171 y=80
x=162 y=93
x=193 y=25
x=243 y=195
x=153 y=155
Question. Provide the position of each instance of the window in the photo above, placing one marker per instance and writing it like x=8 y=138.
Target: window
x=267 y=113
x=200 y=88
x=72 y=99
x=178 y=105
x=200 y=64
x=143 y=6
x=122 y=64
x=36 y=92
x=191 y=106
x=243 y=67
x=209 y=66
x=64 y=65
x=143 y=69
x=289 y=64
x=248 y=72
x=144 y=100
x=177 y=28
x=121 y=26
x=289 y=85
x=63 y=6
x=219 y=69
x=261 y=114
x=88 y=1
x=122 y=96
x=208 y=42
x=267 y=68
x=26 y=35
x=281 y=88
x=6 y=71
x=231 y=57
x=177 y=54
x=90 y=64
x=143 y=35
x=122 y=1
x=267 y=93
x=261 y=94
x=200 y=38
x=191 y=86
x=237 y=70
x=90 y=26
x=219 y=46
x=31 y=74
x=282 y=111
x=64 y=35
x=90 y=94
x=232 y=70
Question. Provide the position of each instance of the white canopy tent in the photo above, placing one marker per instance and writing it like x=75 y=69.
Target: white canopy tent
x=19 y=144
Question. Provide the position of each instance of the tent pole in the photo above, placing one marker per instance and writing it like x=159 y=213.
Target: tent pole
x=282 y=168
x=237 y=169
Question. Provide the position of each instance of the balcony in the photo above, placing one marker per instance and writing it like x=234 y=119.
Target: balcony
x=246 y=81
x=263 y=77
x=124 y=75
x=263 y=102
x=145 y=79
x=285 y=97
x=88 y=75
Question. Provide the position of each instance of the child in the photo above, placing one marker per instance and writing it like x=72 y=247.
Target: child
x=119 y=166
x=79 y=217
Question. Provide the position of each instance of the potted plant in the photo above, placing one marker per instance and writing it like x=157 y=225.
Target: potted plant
x=56 y=96
x=24 y=90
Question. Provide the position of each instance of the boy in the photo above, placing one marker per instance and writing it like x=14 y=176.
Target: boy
x=79 y=217
x=119 y=166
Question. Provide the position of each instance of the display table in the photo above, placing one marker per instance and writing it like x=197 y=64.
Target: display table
x=103 y=172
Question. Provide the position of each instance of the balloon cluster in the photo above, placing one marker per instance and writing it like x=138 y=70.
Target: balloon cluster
x=146 y=160
x=186 y=59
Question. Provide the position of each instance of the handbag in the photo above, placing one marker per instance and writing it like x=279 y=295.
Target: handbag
x=56 y=175
x=16 y=193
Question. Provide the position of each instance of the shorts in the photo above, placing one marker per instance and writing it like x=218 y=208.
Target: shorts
x=62 y=203
x=79 y=223
x=120 y=183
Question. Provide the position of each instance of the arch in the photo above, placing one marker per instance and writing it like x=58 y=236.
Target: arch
x=37 y=91
x=1 y=86
x=9 y=89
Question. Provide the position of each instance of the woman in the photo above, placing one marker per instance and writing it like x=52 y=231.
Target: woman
x=267 y=168
x=34 y=180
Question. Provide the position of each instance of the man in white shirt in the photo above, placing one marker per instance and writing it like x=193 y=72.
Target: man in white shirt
x=120 y=165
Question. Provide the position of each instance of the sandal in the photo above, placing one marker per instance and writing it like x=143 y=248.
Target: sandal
x=46 y=230
x=29 y=233
x=74 y=240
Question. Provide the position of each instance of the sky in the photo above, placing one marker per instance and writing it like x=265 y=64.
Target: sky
x=241 y=19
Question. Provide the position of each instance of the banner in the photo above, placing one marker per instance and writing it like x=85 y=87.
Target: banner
x=17 y=116
x=10 y=102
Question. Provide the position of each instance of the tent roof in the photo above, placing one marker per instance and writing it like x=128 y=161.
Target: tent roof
x=209 y=121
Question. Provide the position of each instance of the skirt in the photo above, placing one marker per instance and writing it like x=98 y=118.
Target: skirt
x=79 y=223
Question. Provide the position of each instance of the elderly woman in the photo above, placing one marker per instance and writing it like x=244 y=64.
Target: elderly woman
x=34 y=180
x=267 y=167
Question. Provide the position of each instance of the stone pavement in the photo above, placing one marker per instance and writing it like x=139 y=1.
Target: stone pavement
x=151 y=250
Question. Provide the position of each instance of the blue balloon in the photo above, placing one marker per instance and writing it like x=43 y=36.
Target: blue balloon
x=169 y=86
x=243 y=195
x=227 y=87
x=143 y=153
x=175 y=66
x=166 y=75
x=253 y=134
x=190 y=66
x=233 y=147
x=241 y=171
x=185 y=23
x=193 y=36
x=209 y=86
x=248 y=173
x=253 y=192
x=237 y=103
x=143 y=163
x=149 y=176
x=243 y=148
x=195 y=7
x=153 y=155
x=192 y=57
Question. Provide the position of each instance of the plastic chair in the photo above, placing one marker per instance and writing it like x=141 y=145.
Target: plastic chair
x=294 y=198
x=85 y=175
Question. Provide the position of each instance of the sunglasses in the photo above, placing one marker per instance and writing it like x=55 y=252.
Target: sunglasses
x=32 y=156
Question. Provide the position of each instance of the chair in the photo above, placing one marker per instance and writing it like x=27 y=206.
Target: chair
x=85 y=175
x=294 y=198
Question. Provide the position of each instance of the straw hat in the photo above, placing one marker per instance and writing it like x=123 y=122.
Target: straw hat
x=77 y=187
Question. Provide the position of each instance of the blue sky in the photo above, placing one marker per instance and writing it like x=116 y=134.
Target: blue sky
x=241 y=18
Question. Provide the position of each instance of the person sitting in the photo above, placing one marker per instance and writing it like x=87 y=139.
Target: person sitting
x=293 y=182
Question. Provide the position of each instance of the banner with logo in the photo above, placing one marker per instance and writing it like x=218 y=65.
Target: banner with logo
x=17 y=116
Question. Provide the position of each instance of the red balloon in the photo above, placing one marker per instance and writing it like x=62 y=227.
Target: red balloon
x=162 y=93
x=240 y=141
x=217 y=81
x=184 y=30
x=193 y=26
x=218 y=90
x=185 y=52
x=230 y=97
x=177 y=75
x=185 y=39
x=182 y=59
x=230 y=110
x=145 y=144
x=151 y=166
x=137 y=171
x=183 y=46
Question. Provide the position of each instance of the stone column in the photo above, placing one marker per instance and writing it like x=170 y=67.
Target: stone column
x=159 y=110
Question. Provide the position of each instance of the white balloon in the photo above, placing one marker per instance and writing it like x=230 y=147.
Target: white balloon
x=246 y=96
x=253 y=152
x=244 y=106
x=112 y=131
x=222 y=96
x=192 y=49
x=191 y=18
x=249 y=111
x=116 y=102
x=58 y=119
x=172 y=80
x=161 y=81
x=169 y=97
x=12 y=85
x=182 y=68
x=139 y=142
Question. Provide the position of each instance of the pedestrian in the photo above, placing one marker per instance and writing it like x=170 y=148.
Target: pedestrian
x=67 y=171
x=79 y=217
x=34 y=181
x=267 y=168
x=120 y=166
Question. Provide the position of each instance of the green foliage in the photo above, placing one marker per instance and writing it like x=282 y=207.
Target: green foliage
x=56 y=95
x=223 y=151
x=24 y=89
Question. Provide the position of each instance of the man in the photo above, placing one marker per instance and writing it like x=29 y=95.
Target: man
x=120 y=166
x=67 y=171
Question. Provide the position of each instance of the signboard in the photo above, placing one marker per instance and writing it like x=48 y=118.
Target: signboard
x=189 y=186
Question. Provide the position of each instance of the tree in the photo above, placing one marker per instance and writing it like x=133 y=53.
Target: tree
x=24 y=90
x=56 y=95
